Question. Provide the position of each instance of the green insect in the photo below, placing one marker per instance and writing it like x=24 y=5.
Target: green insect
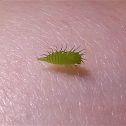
x=64 y=57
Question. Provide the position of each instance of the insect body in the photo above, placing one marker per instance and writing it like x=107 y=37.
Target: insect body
x=63 y=57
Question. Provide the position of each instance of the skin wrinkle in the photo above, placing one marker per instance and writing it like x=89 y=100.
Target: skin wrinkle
x=53 y=24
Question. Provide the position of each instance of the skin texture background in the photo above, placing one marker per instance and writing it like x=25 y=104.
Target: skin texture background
x=32 y=95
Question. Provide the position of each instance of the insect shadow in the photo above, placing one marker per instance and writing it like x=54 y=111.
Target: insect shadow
x=70 y=70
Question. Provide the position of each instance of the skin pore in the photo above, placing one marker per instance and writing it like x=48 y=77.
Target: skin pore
x=32 y=95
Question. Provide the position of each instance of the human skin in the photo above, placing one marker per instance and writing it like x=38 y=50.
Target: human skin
x=30 y=94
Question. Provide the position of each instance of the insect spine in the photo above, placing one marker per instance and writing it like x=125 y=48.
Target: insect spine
x=64 y=57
